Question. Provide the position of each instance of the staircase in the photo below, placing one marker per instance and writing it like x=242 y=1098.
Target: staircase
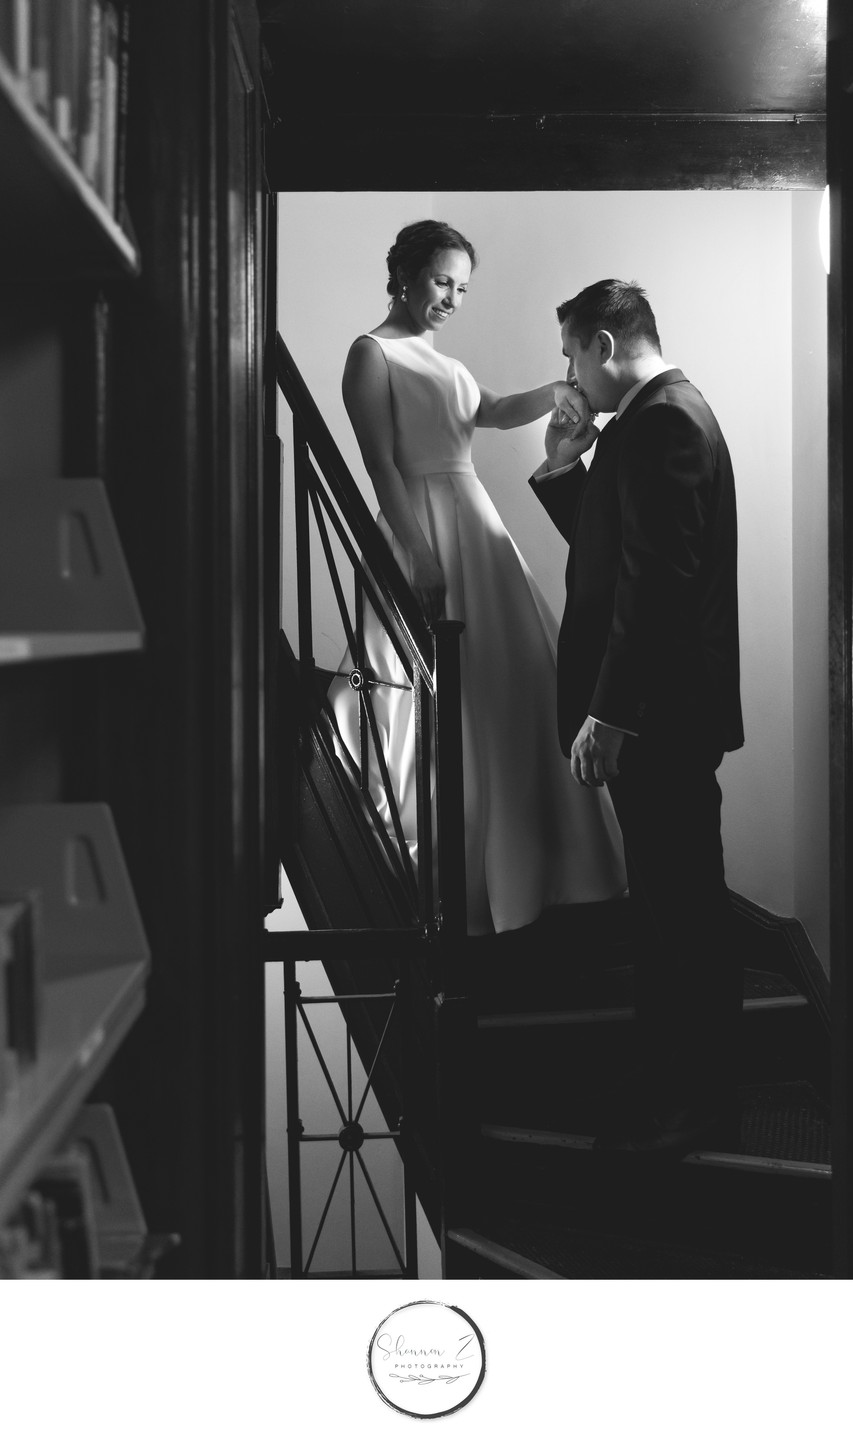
x=555 y=1030
x=511 y=1043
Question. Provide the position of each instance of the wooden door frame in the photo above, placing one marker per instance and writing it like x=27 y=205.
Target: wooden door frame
x=840 y=482
x=495 y=152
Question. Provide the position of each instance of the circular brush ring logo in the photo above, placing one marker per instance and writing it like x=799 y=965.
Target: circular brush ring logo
x=427 y=1359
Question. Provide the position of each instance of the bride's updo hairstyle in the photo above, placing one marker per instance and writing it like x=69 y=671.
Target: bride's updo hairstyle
x=415 y=246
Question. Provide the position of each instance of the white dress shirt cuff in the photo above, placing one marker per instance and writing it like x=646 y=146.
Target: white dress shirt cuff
x=543 y=472
x=615 y=726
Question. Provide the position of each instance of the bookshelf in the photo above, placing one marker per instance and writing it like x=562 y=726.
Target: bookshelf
x=65 y=589
x=54 y=216
x=74 y=974
x=131 y=440
x=86 y=1018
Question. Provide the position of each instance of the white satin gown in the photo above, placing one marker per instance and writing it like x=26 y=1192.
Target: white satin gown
x=533 y=837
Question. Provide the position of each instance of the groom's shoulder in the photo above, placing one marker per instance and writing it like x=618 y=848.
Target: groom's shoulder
x=679 y=393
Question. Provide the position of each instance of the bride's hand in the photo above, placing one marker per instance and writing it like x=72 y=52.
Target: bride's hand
x=566 y=439
x=428 y=585
x=572 y=409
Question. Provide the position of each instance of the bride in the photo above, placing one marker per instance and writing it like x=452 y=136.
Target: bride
x=533 y=838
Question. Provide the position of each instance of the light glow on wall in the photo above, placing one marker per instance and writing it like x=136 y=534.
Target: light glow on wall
x=823 y=229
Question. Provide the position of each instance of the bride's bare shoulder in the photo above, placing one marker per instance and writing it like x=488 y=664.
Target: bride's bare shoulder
x=365 y=365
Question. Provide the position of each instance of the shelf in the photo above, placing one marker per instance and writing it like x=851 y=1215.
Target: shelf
x=65 y=589
x=53 y=218
x=93 y=958
x=70 y=854
x=85 y=1019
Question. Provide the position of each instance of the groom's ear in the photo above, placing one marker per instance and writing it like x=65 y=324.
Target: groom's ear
x=605 y=346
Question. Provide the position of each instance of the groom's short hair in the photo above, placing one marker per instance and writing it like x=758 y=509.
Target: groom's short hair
x=617 y=305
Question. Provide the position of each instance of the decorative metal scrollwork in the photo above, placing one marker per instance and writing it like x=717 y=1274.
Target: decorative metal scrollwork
x=351 y=1137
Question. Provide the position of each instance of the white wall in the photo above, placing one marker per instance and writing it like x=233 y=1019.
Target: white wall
x=739 y=292
x=718 y=270
x=811 y=578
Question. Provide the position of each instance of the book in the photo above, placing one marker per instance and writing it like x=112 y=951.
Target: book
x=29 y=1242
x=66 y=32
x=21 y=973
x=5 y=1045
x=66 y=1182
x=122 y=101
x=109 y=108
x=41 y=55
x=20 y=39
x=81 y=79
x=7 y=31
x=92 y=95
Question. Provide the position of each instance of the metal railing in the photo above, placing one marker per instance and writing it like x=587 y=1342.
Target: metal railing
x=370 y=593
x=325 y=492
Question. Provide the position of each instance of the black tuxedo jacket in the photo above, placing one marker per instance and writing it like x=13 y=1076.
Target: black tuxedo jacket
x=649 y=637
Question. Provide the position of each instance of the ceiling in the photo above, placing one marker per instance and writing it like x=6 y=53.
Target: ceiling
x=365 y=89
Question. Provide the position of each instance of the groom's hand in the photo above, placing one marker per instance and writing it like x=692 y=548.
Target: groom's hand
x=571 y=430
x=595 y=753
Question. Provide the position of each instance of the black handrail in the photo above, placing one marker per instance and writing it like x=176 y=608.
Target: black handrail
x=436 y=1120
x=433 y=654
x=386 y=574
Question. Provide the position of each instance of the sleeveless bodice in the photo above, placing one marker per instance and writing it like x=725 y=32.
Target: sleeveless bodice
x=533 y=837
x=434 y=403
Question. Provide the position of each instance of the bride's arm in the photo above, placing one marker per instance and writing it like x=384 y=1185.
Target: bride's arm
x=367 y=397
x=507 y=411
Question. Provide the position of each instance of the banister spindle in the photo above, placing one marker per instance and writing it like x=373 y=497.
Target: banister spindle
x=301 y=469
x=448 y=760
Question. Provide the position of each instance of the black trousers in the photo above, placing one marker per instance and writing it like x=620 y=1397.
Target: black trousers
x=688 y=973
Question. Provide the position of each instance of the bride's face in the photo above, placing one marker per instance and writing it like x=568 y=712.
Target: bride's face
x=438 y=290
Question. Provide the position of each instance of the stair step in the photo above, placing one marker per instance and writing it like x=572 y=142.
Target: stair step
x=781 y=1124
x=530 y=986
x=537 y=1251
x=568 y=1017
x=769 y=1202
x=500 y=1256
x=552 y=1065
x=705 y=1157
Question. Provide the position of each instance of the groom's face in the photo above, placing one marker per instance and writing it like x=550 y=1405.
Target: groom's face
x=585 y=369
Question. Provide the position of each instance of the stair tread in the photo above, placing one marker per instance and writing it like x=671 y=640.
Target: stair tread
x=576 y=1253
x=780 y=1123
x=500 y=993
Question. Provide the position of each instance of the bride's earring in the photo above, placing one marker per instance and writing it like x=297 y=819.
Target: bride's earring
x=404 y=294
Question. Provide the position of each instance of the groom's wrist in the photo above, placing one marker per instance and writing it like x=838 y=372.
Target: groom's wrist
x=546 y=472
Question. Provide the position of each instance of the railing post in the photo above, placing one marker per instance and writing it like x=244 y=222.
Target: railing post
x=423 y=769
x=448 y=762
x=303 y=548
x=406 y=1028
x=455 y=1018
x=294 y=1122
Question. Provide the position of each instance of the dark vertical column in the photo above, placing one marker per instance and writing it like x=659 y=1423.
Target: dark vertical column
x=840 y=317
x=182 y=753
x=455 y=1019
x=271 y=524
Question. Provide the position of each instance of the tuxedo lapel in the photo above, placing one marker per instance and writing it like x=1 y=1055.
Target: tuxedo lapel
x=616 y=426
x=604 y=441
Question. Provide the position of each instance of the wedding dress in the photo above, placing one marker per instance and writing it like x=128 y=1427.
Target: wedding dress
x=533 y=837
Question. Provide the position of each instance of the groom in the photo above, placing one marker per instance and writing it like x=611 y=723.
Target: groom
x=648 y=689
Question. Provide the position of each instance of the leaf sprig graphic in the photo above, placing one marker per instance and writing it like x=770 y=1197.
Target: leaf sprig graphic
x=424 y=1381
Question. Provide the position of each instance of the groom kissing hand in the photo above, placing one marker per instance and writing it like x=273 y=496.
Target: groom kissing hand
x=648 y=687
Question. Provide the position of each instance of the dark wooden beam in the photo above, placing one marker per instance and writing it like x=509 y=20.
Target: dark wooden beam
x=539 y=57
x=548 y=152
x=840 y=325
